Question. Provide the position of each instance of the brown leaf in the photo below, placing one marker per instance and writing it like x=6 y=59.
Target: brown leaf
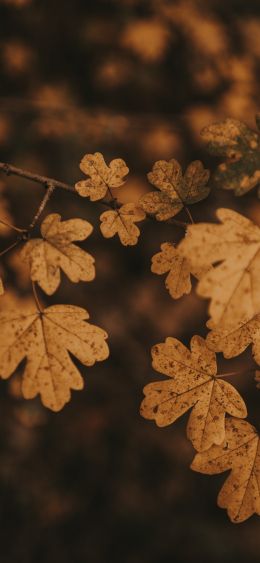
x=241 y=147
x=234 y=340
x=194 y=384
x=176 y=189
x=55 y=250
x=233 y=284
x=122 y=222
x=239 y=452
x=47 y=339
x=178 y=281
x=102 y=177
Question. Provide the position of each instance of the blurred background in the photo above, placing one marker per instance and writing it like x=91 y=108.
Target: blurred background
x=137 y=80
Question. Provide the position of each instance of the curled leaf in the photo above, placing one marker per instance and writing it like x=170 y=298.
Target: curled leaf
x=176 y=189
x=240 y=452
x=56 y=251
x=101 y=177
x=193 y=384
x=241 y=147
x=47 y=339
x=122 y=222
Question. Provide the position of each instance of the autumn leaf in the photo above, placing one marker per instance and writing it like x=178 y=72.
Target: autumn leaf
x=239 y=452
x=234 y=340
x=175 y=189
x=241 y=147
x=233 y=284
x=170 y=260
x=122 y=222
x=47 y=339
x=193 y=383
x=1 y=287
x=101 y=177
x=55 y=251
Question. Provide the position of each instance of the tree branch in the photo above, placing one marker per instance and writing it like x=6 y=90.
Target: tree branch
x=9 y=170
x=47 y=182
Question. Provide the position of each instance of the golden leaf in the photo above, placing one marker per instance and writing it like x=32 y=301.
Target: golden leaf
x=122 y=222
x=102 y=177
x=240 y=452
x=233 y=284
x=241 y=146
x=55 y=250
x=178 y=281
x=234 y=340
x=193 y=383
x=176 y=189
x=47 y=339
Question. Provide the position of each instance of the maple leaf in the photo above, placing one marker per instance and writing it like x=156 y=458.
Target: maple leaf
x=234 y=248
x=176 y=189
x=241 y=147
x=170 y=260
x=193 y=383
x=240 y=452
x=122 y=222
x=102 y=177
x=55 y=250
x=234 y=340
x=47 y=339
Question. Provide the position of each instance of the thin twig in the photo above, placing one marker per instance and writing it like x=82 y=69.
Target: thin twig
x=9 y=247
x=9 y=169
x=17 y=229
x=42 y=205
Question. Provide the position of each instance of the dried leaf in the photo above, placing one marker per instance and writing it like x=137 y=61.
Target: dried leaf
x=102 y=177
x=233 y=284
x=176 y=189
x=55 y=250
x=170 y=260
x=194 y=384
x=47 y=339
x=234 y=340
x=122 y=222
x=240 y=452
x=241 y=147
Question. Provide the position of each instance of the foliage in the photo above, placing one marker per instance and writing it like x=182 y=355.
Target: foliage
x=224 y=258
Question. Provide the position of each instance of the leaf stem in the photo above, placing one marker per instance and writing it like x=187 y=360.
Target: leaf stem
x=229 y=374
x=36 y=298
x=189 y=214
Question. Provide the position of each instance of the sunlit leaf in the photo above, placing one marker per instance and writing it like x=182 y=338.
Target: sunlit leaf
x=102 y=178
x=122 y=222
x=175 y=189
x=240 y=452
x=47 y=339
x=192 y=384
x=56 y=251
